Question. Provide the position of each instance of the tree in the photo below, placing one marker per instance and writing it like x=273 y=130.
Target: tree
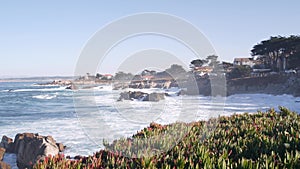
x=98 y=76
x=212 y=60
x=294 y=61
x=148 y=72
x=276 y=51
x=176 y=71
x=123 y=76
x=239 y=72
x=197 y=63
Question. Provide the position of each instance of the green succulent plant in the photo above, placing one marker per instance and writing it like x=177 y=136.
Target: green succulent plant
x=261 y=140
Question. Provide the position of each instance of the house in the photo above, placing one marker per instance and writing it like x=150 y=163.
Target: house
x=104 y=77
x=203 y=70
x=147 y=77
x=244 y=62
x=108 y=76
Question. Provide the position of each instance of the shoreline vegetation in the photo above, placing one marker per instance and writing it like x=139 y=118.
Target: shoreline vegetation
x=261 y=140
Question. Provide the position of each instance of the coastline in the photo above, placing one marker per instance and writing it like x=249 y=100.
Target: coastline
x=198 y=153
x=276 y=103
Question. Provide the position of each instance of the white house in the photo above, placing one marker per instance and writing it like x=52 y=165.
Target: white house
x=244 y=61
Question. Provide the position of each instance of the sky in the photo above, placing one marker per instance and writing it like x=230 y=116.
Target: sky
x=46 y=38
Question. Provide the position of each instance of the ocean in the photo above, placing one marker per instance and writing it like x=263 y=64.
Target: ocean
x=82 y=119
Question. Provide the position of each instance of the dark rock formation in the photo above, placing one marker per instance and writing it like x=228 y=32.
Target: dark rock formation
x=59 y=82
x=132 y=95
x=30 y=148
x=154 y=97
x=72 y=87
x=275 y=84
x=3 y=165
x=2 y=152
x=7 y=143
x=141 y=96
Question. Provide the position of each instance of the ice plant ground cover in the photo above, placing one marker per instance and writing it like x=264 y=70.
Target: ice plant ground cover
x=261 y=140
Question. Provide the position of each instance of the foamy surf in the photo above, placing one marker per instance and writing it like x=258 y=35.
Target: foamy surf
x=40 y=89
x=44 y=97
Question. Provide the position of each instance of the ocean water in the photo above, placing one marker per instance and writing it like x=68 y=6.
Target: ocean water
x=82 y=119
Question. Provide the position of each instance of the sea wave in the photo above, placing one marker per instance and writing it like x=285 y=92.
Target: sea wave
x=46 y=85
x=41 y=89
x=104 y=88
x=44 y=97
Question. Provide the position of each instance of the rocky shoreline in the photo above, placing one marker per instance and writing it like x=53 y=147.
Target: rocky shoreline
x=274 y=84
x=277 y=84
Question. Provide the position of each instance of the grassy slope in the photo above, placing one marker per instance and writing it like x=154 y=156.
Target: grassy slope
x=262 y=140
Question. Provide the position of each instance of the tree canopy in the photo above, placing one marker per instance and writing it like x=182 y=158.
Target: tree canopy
x=123 y=76
x=277 y=51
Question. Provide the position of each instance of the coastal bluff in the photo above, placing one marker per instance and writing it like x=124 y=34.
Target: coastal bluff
x=273 y=84
x=29 y=148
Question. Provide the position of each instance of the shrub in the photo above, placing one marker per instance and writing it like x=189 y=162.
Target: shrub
x=262 y=140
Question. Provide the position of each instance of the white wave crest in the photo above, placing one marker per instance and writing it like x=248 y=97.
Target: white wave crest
x=44 y=97
x=42 y=89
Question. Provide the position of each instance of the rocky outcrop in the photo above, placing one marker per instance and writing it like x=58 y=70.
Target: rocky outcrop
x=137 y=95
x=59 y=82
x=72 y=87
x=2 y=152
x=154 y=97
x=7 y=143
x=276 y=85
x=30 y=148
x=3 y=165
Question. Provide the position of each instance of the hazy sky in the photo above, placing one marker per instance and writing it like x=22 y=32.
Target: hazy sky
x=46 y=37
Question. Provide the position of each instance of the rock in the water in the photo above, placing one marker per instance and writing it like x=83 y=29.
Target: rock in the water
x=30 y=148
x=132 y=95
x=72 y=87
x=2 y=152
x=124 y=96
x=3 y=165
x=154 y=97
x=137 y=95
x=7 y=143
x=59 y=82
